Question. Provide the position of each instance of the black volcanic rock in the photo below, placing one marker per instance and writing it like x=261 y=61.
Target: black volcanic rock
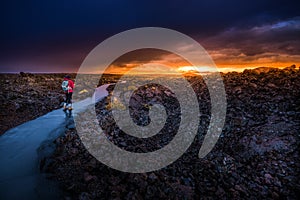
x=26 y=96
x=256 y=157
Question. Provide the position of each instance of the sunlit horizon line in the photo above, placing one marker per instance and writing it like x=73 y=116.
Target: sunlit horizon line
x=211 y=69
x=196 y=72
x=219 y=68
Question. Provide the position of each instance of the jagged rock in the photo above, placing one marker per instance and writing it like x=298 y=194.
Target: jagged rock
x=256 y=157
x=28 y=93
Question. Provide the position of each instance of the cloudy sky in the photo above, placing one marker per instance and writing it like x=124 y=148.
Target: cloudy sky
x=56 y=36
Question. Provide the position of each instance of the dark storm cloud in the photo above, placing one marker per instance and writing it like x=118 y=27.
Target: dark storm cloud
x=267 y=41
x=140 y=56
x=57 y=35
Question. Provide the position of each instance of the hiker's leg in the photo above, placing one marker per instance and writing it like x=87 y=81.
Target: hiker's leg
x=71 y=94
x=67 y=97
x=69 y=103
x=70 y=97
x=66 y=101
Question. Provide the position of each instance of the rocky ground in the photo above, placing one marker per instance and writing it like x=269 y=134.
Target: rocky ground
x=26 y=96
x=256 y=157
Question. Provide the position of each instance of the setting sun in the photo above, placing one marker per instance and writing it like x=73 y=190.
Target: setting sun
x=199 y=69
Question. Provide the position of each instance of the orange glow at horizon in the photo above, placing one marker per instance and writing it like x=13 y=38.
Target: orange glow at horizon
x=131 y=60
x=187 y=67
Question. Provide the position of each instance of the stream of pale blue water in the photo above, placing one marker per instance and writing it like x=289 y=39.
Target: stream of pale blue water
x=20 y=177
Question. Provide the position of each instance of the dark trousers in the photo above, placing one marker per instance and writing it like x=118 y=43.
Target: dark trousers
x=69 y=97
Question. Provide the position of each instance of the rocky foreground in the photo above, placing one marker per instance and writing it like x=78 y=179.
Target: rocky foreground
x=256 y=157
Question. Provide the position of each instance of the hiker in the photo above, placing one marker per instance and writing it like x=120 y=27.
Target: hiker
x=68 y=86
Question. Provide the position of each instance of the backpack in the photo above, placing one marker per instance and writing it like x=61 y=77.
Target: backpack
x=65 y=85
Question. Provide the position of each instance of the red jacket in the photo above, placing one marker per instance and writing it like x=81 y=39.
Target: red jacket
x=70 y=85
